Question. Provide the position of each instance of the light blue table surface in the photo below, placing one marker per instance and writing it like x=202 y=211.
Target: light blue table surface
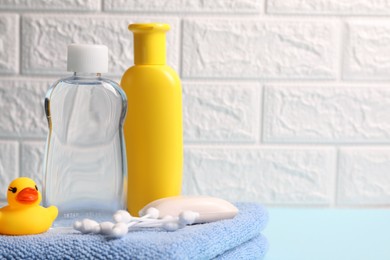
x=331 y=234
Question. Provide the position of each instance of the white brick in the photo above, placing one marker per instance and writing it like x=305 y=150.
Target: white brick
x=367 y=52
x=238 y=48
x=364 y=176
x=8 y=166
x=269 y=175
x=327 y=114
x=197 y=6
x=32 y=154
x=61 y=5
x=221 y=112
x=21 y=108
x=9 y=44
x=45 y=40
x=349 y=7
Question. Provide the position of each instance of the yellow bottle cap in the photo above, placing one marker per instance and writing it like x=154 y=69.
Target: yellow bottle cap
x=148 y=27
x=149 y=43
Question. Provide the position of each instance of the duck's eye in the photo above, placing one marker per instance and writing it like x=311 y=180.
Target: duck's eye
x=13 y=189
x=36 y=187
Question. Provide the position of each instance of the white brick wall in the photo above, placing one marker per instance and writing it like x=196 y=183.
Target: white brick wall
x=21 y=108
x=46 y=37
x=9 y=165
x=285 y=102
x=367 y=53
x=32 y=153
x=261 y=48
x=52 y=5
x=9 y=43
x=298 y=175
x=339 y=7
x=221 y=112
x=184 y=6
x=326 y=114
x=364 y=176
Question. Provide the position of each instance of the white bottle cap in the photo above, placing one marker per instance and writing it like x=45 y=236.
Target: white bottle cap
x=87 y=58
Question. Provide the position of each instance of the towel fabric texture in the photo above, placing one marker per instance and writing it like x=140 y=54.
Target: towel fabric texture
x=237 y=238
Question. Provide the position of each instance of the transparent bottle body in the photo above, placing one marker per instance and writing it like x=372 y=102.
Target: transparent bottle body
x=85 y=160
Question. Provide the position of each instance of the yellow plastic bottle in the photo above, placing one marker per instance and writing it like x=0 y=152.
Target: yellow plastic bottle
x=153 y=128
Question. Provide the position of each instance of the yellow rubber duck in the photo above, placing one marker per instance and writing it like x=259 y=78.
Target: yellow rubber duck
x=23 y=215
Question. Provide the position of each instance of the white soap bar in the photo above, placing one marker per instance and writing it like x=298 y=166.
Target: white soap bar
x=209 y=208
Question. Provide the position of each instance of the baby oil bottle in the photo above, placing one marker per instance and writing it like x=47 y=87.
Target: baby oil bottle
x=153 y=128
x=85 y=161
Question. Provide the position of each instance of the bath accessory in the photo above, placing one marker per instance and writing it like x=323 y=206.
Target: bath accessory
x=169 y=214
x=210 y=209
x=23 y=215
x=154 y=122
x=125 y=223
x=237 y=238
x=85 y=164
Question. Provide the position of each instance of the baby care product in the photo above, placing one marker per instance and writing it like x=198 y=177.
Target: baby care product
x=85 y=164
x=153 y=129
x=210 y=209
x=23 y=215
x=169 y=214
x=125 y=223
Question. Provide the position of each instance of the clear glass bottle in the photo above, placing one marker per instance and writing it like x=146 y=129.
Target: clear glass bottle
x=85 y=160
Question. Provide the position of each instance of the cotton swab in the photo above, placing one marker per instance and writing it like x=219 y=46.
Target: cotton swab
x=122 y=216
x=86 y=226
x=185 y=218
x=125 y=223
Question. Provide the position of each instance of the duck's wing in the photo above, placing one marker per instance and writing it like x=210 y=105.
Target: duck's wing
x=53 y=211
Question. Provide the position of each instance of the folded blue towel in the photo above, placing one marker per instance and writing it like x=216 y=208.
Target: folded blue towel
x=252 y=249
x=237 y=238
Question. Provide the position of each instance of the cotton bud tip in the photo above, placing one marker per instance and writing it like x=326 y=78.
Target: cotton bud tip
x=153 y=213
x=122 y=216
x=96 y=229
x=168 y=217
x=87 y=226
x=170 y=226
x=77 y=225
x=119 y=230
x=88 y=222
x=188 y=217
x=106 y=228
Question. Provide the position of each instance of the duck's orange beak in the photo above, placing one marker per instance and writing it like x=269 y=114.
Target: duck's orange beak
x=27 y=196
